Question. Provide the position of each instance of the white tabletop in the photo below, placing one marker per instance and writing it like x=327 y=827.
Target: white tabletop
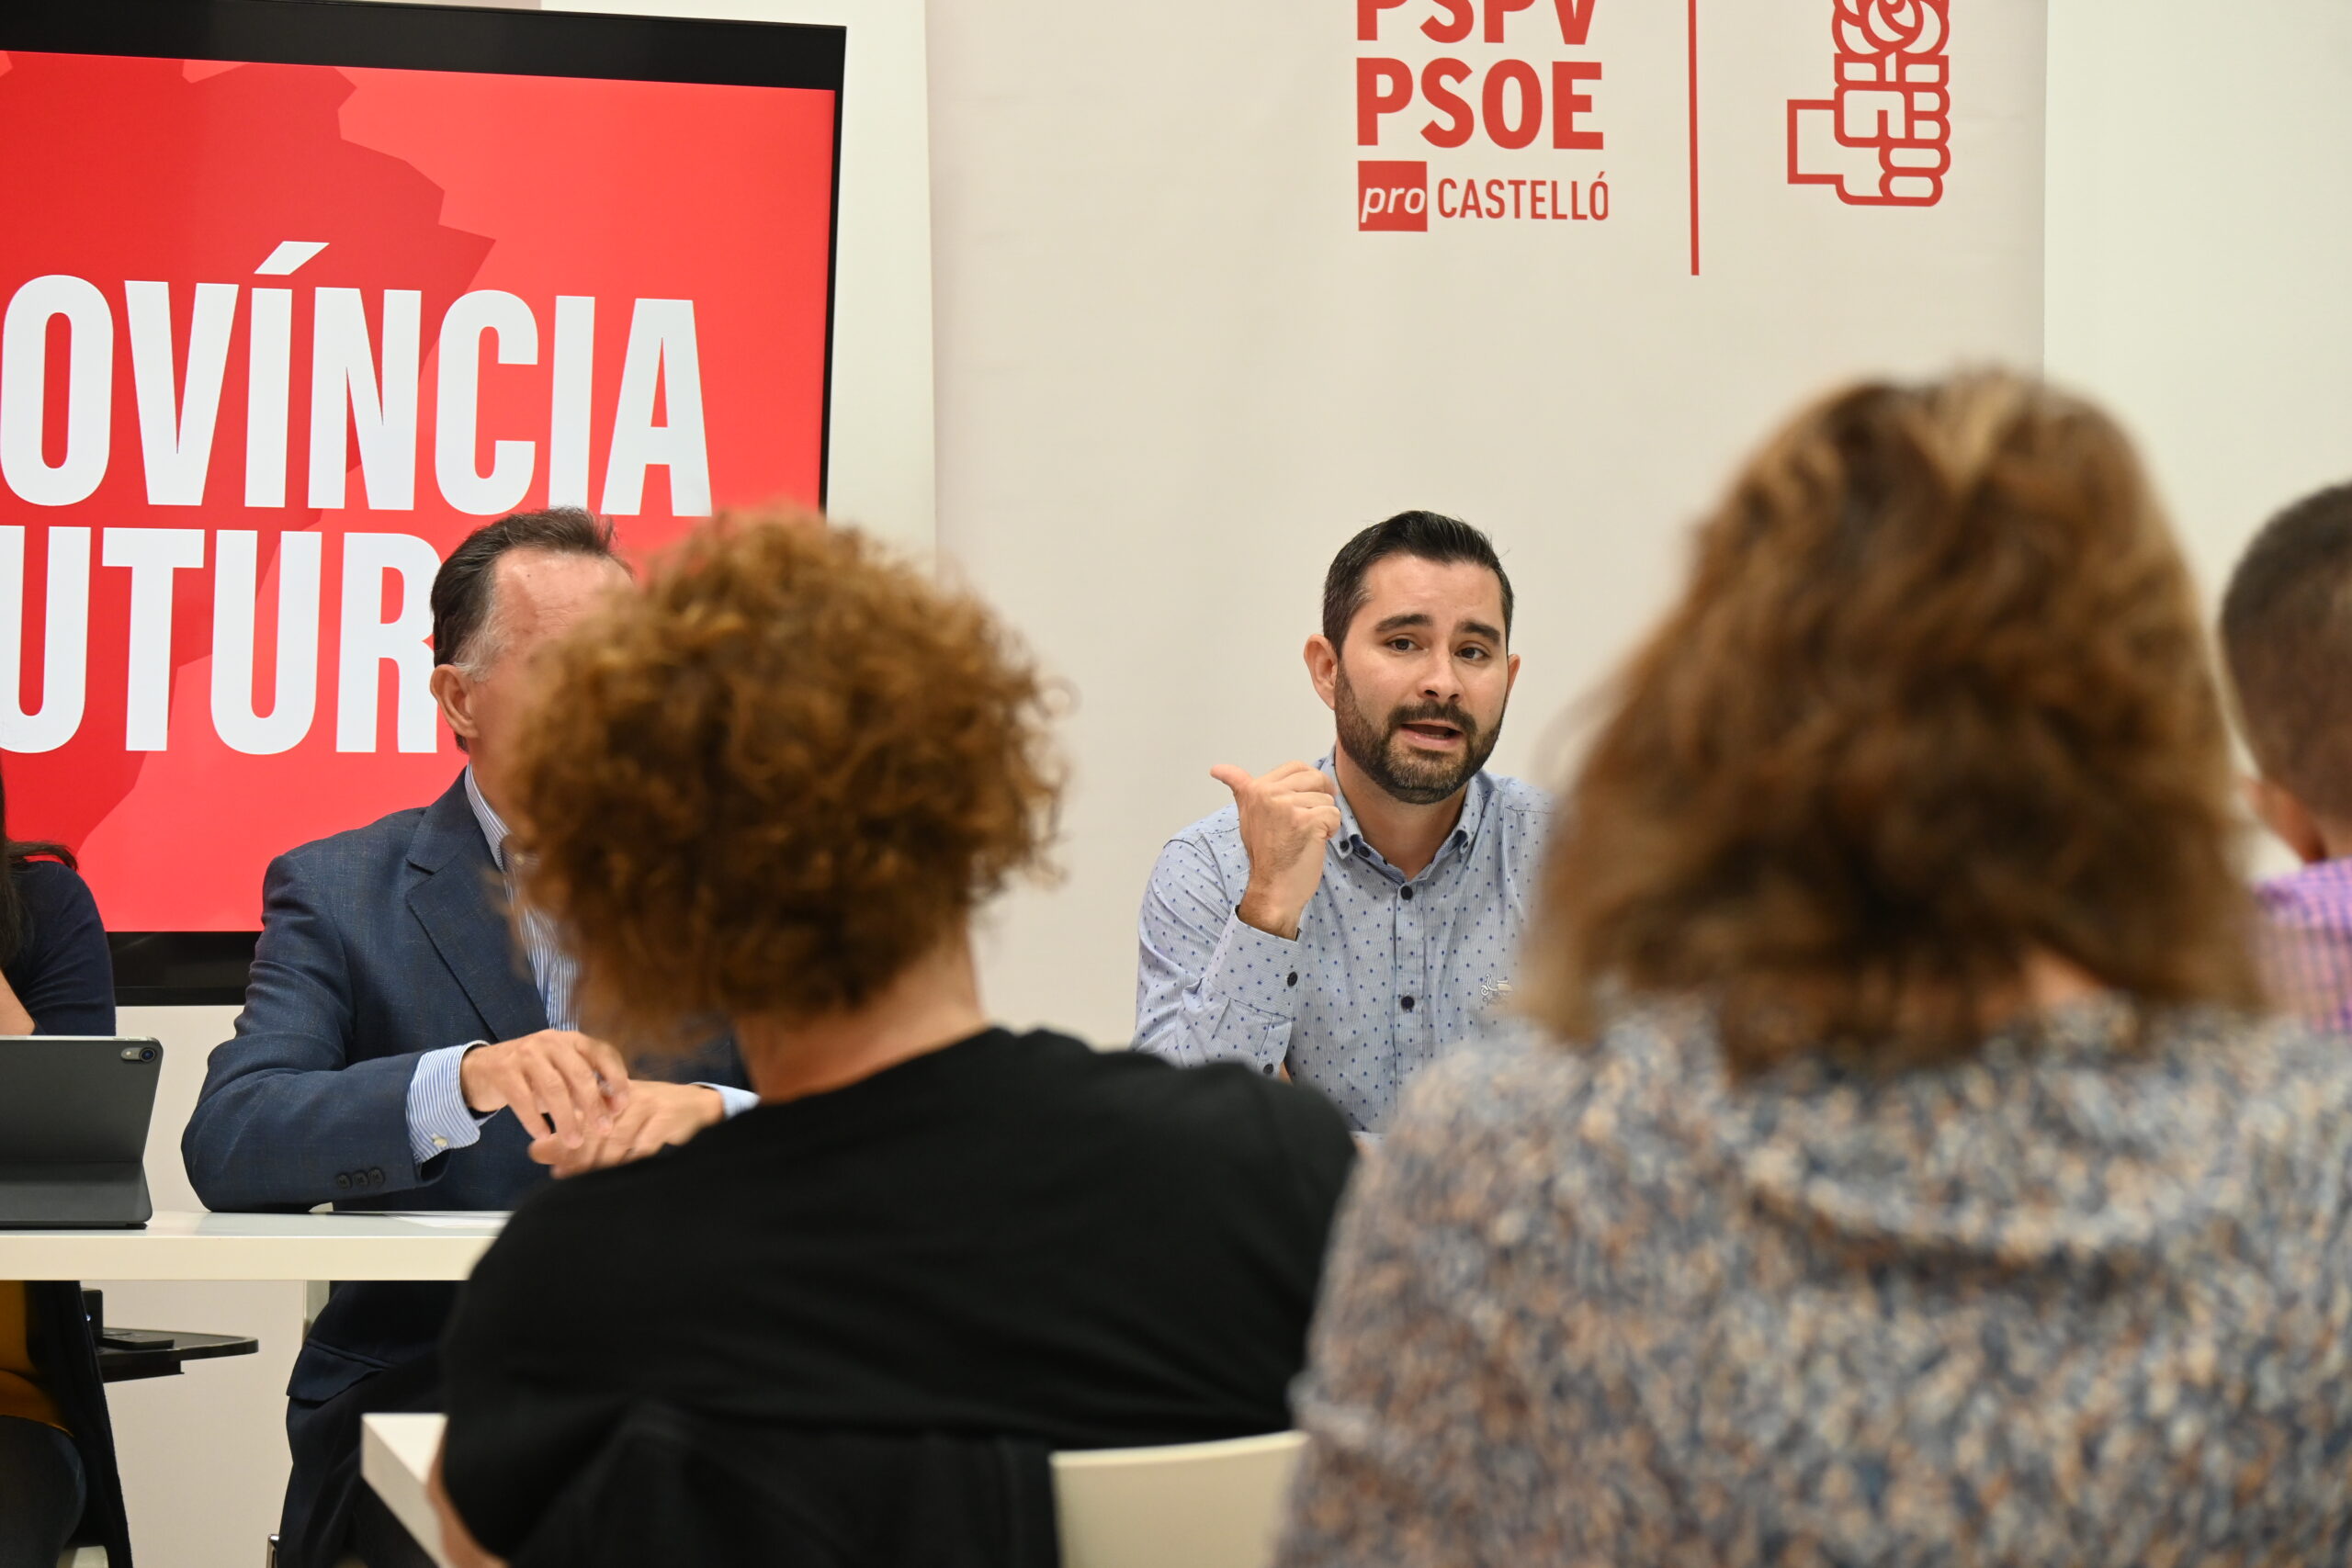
x=182 y=1246
x=396 y=1456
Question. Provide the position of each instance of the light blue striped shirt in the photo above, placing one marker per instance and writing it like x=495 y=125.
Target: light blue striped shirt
x=440 y=1119
x=1387 y=973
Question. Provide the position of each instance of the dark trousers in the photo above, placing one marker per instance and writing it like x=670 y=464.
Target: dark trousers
x=329 y=1509
x=41 y=1492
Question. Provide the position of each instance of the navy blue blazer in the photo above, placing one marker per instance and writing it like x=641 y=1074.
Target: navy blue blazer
x=376 y=945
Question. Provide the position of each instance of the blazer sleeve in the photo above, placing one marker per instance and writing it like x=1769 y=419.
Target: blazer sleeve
x=286 y=1110
x=66 y=980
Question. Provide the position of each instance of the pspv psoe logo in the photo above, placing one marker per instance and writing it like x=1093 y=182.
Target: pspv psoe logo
x=1885 y=139
x=1498 y=94
x=1393 y=196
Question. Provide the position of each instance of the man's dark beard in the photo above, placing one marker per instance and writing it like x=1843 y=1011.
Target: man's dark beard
x=1416 y=778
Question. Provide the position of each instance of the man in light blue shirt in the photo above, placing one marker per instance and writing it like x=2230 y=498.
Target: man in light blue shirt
x=1346 y=922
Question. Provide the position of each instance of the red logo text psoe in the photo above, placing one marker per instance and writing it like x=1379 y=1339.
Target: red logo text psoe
x=1393 y=196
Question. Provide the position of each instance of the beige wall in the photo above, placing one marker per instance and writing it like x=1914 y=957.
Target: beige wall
x=2200 y=246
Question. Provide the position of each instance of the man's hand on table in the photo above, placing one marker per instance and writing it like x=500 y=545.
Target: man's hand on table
x=657 y=1115
x=563 y=1086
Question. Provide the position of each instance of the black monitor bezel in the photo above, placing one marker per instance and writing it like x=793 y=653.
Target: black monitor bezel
x=400 y=36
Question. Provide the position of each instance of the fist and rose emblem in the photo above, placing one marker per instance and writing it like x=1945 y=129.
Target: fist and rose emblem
x=1885 y=139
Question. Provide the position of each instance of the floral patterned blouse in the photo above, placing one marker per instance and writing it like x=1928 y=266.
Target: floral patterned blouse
x=2083 y=1299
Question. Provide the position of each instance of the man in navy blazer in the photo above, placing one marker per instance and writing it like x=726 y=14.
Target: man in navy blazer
x=400 y=1048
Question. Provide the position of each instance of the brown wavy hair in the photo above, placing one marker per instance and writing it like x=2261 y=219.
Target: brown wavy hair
x=1935 y=699
x=773 y=778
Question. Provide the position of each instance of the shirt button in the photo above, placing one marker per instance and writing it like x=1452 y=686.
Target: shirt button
x=1408 y=1004
x=440 y=1142
x=1293 y=978
x=1406 y=894
x=1269 y=1071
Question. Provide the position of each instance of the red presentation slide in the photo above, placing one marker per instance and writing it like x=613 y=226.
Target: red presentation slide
x=280 y=330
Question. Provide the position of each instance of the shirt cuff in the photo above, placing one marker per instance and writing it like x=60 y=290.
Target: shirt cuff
x=440 y=1119
x=733 y=1102
x=1255 y=968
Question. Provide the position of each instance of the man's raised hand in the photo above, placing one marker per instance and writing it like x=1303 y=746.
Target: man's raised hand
x=560 y=1083
x=1287 y=817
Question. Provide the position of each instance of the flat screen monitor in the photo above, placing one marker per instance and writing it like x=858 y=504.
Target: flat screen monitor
x=297 y=293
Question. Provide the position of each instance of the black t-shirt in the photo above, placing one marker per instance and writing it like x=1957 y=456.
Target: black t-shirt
x=63 y=971
x=1016 y=1235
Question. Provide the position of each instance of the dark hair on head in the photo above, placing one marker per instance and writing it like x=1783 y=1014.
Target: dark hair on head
x=2287 y=633
x=13 y=925
x=1935 y=701
x=1430 y=536
x=765 y=787
x=461 y=589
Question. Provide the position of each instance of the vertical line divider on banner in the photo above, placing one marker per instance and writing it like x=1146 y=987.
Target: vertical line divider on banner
x=1692 y=31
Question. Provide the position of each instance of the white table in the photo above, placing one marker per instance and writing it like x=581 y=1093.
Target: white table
x=182 y=1246
x=179 y=1245
x=396 y=1458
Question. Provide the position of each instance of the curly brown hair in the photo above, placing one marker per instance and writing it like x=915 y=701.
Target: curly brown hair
x=774 y=778
x=1935 y=700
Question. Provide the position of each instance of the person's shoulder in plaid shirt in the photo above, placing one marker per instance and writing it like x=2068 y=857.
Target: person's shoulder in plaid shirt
x=2287 y=635
x=2307 y=942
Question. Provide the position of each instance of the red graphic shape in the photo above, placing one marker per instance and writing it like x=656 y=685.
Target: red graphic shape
x=1885 y=139
x=189 y=173
x=1393 y=196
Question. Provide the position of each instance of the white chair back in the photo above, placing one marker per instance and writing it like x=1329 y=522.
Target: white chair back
x=1185 y=1505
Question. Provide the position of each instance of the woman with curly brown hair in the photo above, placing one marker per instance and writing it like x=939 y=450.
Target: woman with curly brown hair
x=1910 y=1175
x=771 y=789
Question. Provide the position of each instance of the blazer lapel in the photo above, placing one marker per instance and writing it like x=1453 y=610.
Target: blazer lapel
x=460 y=902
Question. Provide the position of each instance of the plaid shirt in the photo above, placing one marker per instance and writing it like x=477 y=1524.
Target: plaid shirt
x=2307 y=942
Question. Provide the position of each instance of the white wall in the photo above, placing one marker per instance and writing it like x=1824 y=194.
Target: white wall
x=2199 y=272
x=2200 y=246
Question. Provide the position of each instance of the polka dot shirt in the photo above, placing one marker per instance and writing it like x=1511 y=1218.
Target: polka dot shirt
x=1387 y=971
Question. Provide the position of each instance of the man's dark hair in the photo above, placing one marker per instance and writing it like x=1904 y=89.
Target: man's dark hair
x=461 y=597
x=1430 y=536
x=2287 y=635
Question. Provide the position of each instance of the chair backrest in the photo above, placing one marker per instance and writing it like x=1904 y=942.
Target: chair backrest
x=1186 y=1505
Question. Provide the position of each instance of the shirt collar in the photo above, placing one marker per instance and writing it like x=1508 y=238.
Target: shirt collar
x=494 y=827
x=2326 y=883
x=1351 y=840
